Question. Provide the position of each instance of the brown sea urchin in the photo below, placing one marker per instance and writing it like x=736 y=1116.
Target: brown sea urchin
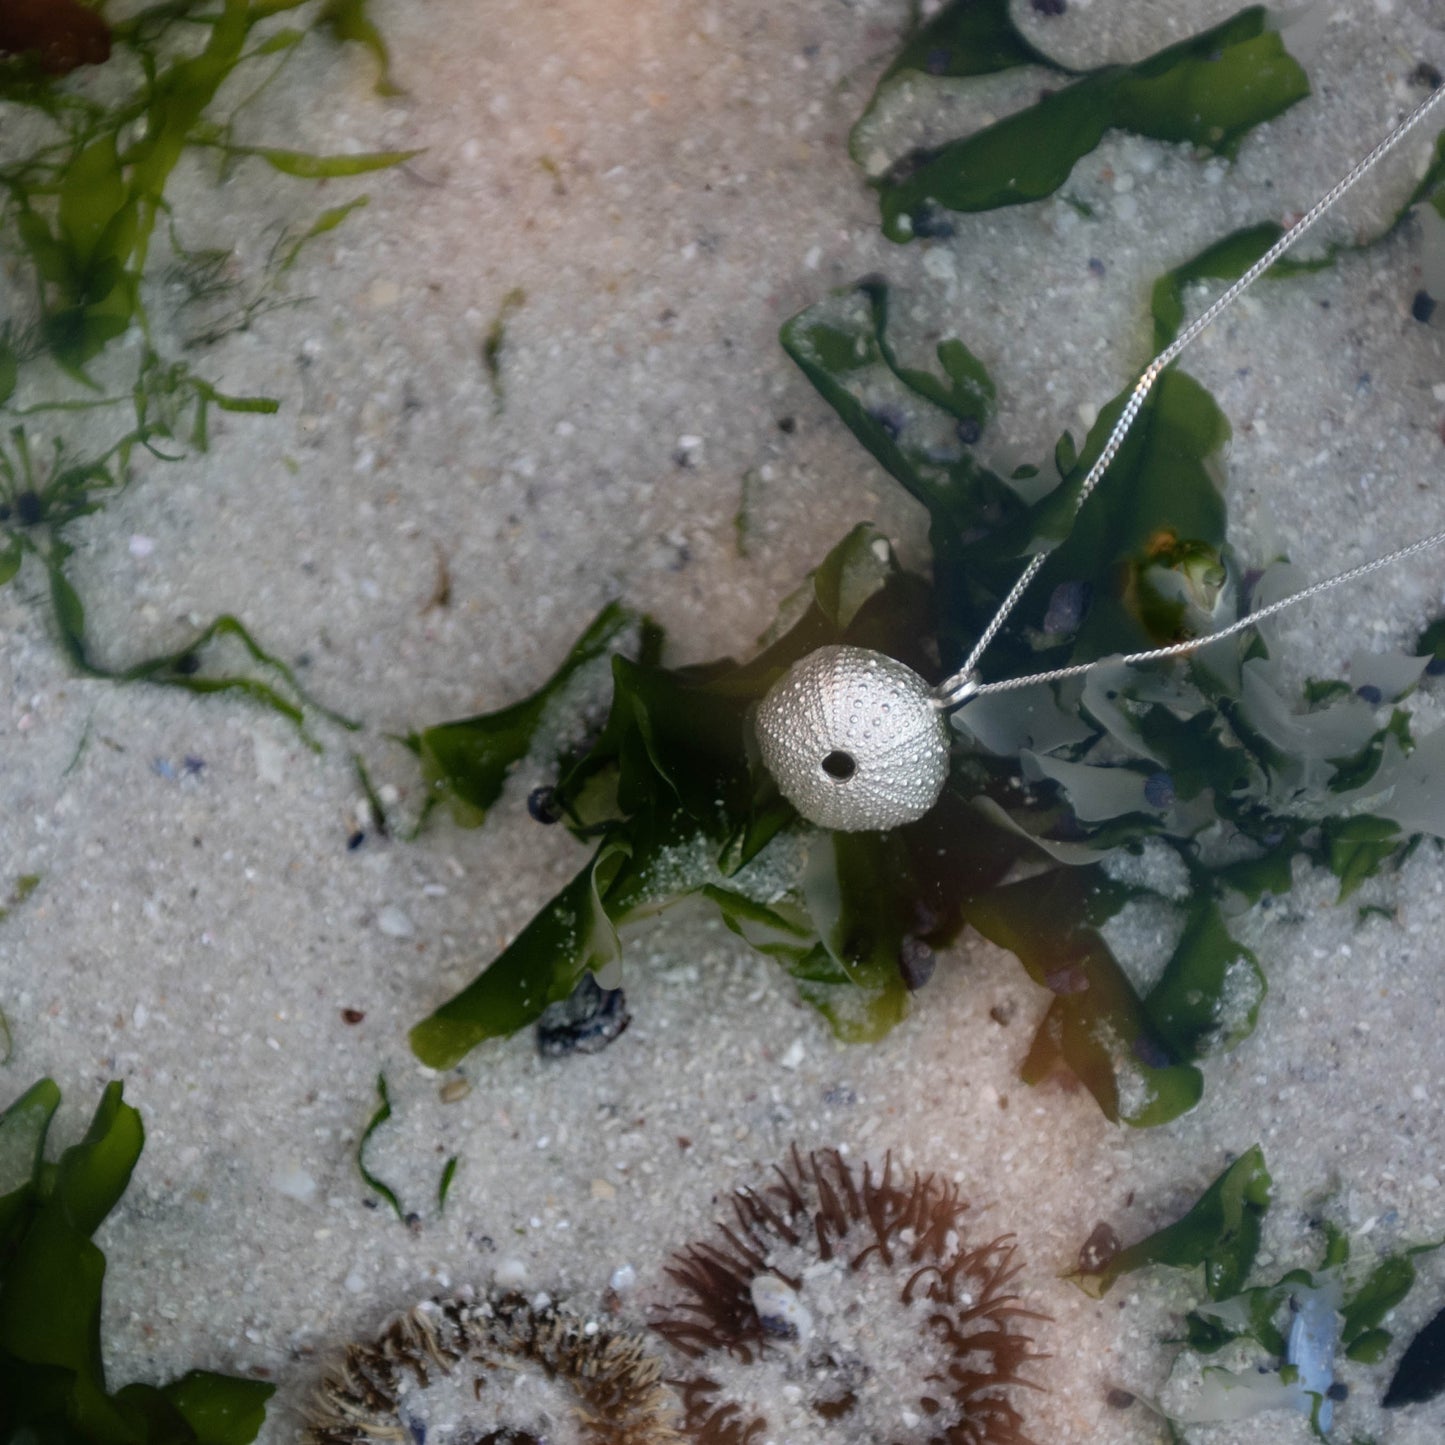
x=860 y=1295
x=498 y=1372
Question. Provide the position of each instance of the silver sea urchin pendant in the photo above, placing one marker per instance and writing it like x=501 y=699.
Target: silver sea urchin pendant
x=854 y=740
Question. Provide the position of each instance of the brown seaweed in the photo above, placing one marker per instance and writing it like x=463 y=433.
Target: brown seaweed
x=60 y=34
x=911 y=1228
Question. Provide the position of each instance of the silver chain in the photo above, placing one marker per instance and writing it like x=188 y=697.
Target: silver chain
x=964 y=684
x=1179 y=649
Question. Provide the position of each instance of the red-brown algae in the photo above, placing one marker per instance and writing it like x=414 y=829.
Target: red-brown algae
x=519 y=1370
x=898 y=1329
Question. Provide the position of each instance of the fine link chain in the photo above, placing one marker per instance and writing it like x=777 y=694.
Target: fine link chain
x=1179 y=649
x=964 y=684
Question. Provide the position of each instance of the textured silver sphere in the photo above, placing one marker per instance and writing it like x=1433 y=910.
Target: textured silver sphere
x=853 y=740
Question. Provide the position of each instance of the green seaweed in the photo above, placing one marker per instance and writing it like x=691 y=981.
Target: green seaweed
x=1209 y=91
x=52 y=1376
x=20 y=891
x=1230 y=257
x=1220 y=1231
x=496 y=339
x=444 y=1184
x=378 y=1118
x=182 y=668
x=348 y=20
x=674 y=800
x=1096 y=1025
x=466 y=763
x=83 y=205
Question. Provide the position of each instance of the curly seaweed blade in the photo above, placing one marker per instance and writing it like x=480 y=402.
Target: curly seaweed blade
x=837 y=343
x=1096 y=1024
x=379 y=1117
x=920 y=427
x=23 y=1127
x=967 y=37
x=93 y=1174
x=466 y=763
x=1221 y=1231
x=317 y=167
x=1210 y=90
x=1210 y=992
x=542 y=965
x=1231 y=256
x=348 y=21
x=857 y=891
x=220 y=1409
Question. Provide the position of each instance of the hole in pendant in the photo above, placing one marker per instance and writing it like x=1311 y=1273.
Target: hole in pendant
x=840 y=766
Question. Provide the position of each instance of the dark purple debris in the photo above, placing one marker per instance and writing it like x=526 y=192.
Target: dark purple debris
x=583 y=1023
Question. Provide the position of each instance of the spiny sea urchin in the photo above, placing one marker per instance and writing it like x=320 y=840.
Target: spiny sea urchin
x=498 y=1372
x=859 y=1294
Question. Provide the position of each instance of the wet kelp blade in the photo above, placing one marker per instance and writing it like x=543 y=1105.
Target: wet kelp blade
x=378 y=1118
x=1161 y=512
x=1363 y=1313
x=183 y=667
x=1209 y=90
x=1209 y=995
x=967 y=37
x=1161 y=507
x=922 y=427
x=350 y=20
x=465 y=763
x=1096 y=1026
x=23 y=1127
x=1231 y=256
x=542 y=965
x=219 y=1409
x=1221 y=1232
x=52 y=1383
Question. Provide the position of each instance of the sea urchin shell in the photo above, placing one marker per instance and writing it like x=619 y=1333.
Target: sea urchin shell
x=523 y=1370
x=911 y=1335
x=853 y=740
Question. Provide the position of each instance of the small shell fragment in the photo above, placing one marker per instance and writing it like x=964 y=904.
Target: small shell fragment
x=780 y=1312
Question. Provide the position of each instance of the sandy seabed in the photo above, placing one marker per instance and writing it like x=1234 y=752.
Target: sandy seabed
x=665 y=183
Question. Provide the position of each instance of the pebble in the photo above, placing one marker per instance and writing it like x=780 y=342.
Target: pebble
x=394 y=922
x=780 y=1312
x=794 y=1055
x=623 y=1278
x=294 y=1182
x=270 y=758
x=510 y=1273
